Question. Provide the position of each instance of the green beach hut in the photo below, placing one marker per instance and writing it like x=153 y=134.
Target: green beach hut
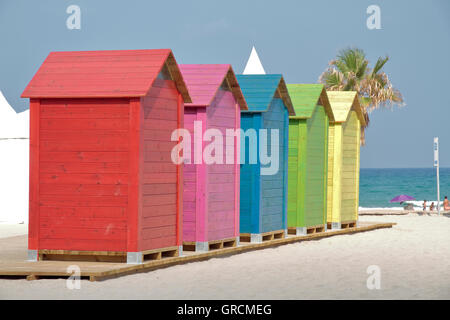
x=308 y=158
x=343 y=159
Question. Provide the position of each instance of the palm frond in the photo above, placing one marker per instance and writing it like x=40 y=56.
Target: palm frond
x=332 y=79
x=379 y=64
x=350 y=71
x=362 y=69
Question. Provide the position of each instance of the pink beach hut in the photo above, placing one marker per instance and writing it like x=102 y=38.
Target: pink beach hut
x=211 y=190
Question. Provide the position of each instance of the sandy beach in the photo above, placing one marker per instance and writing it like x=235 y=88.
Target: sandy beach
x=12 y=229
x=413 y=258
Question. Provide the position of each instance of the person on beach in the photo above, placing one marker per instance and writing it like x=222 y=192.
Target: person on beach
x=446 y=204
x=424 y=206
x=432 y=206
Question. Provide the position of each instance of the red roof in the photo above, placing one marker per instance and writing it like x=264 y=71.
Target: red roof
x=204 y=81
x=114 y=73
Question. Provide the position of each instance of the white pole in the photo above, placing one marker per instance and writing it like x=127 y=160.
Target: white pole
x=436 y=164
x=439 y=197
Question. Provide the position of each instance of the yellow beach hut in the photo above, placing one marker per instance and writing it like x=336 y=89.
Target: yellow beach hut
x=343 y=159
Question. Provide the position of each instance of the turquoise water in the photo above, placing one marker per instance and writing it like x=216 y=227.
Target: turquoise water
x=379 y=186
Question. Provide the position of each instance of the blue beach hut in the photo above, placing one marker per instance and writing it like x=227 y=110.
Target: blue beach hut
x=263 y=183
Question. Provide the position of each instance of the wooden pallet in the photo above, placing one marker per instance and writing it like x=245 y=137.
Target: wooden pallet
x=212 y=245
x=309 y=230
x=344 y=224
x=266 y=236
x=104 y=256
x=94 y=271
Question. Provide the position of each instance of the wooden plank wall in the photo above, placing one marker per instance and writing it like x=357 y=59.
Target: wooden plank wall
x=83 y=174
x=34 y=223
x=221 y=178
x=314 y=210
x=285 y=168
x=297 y=171
x=334 y=193
x=330 y=172
x=250 y=180
x=190 y=181
x=135 y=170
x=159 y=173
x=274 y=187
x=350 y=168
x=358 y=157
x=325 y=168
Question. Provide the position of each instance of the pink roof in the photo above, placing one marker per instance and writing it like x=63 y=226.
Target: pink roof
x=111 y=73
x=204 y=80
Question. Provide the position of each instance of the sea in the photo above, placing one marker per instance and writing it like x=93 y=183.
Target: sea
x=378 y=186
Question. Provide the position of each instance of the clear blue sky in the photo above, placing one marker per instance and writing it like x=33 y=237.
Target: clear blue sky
x=295 y=38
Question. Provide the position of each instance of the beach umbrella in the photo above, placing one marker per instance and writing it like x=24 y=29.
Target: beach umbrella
x=402 y=198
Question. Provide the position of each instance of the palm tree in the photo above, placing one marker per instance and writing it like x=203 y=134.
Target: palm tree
x=350 y=72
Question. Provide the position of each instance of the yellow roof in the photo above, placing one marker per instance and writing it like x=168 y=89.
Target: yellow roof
x=342 y=102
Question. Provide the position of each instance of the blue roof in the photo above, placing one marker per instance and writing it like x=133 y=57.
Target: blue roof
x=259 y=90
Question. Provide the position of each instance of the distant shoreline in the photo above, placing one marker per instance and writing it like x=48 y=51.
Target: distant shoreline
x=405 y=168
x=397 y=211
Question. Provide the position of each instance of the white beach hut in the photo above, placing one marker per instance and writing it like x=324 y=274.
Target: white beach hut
x=14 y=163
x=254 y=65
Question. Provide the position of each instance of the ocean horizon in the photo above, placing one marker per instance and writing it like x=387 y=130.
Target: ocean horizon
x=379 y=185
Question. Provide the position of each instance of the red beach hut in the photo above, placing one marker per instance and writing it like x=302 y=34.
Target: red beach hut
x=211 y=190
x=102 y=182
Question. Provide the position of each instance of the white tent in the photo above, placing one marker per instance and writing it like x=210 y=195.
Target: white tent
x=13 y=124
x=254 y=65
x=14 y=163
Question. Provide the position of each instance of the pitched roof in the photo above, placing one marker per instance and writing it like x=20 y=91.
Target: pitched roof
x=204 y=81
x=259 y=90
x=342 y=102
x=110 y=73
x=305 y=98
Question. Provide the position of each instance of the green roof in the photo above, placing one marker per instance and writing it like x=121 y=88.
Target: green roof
x=305 y=98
